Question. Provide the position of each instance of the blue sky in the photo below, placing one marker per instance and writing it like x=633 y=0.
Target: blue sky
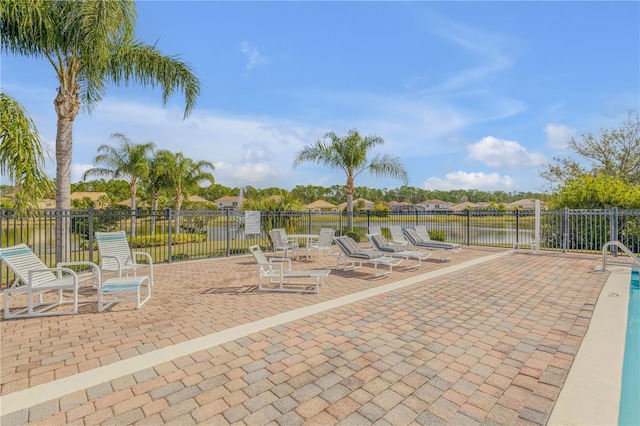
x=470 y=95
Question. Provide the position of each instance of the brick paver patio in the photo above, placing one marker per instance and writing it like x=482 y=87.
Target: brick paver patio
x=490 y=343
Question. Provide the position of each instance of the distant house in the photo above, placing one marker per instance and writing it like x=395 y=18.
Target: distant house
x=368 y=205
x=431 y=205
x=99 y=199
x=467 y=205
x=139 y=203
x=93 y=196
x=321 y=206
x=524 y=204
x=47 y=203
x=197 y=199
x=400 y=207
x=230 y=202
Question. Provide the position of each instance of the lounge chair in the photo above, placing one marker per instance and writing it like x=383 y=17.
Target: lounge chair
x=323 y=243
x=278 y=271
x=424 y=235
x=381 y=243
x=445 y=248
x=279 y=242
x=397 y=237
x=34 y=280
x=116 y=256
x=353 y=254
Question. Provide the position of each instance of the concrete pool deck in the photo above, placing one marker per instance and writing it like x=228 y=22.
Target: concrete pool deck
x=489 y=337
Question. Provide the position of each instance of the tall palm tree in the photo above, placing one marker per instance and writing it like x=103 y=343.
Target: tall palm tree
x=349 y=154
x=158 y=180
x=21 y=155
x=184 y=176
x=129 y=161
x=90 y=44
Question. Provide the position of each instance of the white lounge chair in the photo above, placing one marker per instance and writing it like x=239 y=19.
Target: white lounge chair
x=397 y=237
x=381 y=243
x=279 y=242
x=353 y=254
x=445 y=248
x=323 y=243
x=278 y=271
x=117 y=257
x=35 y=280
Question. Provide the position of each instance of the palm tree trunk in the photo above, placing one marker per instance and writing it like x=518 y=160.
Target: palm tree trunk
x=177 y=217
x=67 y=106
x=350 y=190
x=133 y=209
x=154 y=211
x=63 y=188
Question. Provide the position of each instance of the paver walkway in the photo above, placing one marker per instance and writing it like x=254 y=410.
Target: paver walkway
x=489 y=343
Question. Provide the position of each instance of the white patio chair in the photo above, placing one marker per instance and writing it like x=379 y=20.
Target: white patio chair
x=279 y=242
x=117 y=257
x=352 y=253
x=36 y=281
x=381 y=243
x=324 y=242
x=278 y=271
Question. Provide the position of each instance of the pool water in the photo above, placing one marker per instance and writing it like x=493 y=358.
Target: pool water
x=630 y=397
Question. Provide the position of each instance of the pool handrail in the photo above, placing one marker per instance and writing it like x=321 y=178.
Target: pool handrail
x=620 y=246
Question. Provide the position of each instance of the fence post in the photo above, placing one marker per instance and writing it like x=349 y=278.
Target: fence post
x=613 y=229
x=468 y=227
x=228 y=233
x=537 y=226
x=91 y=233
x=340 y=224
x=169 y=224
x=517 y=226
x=310 y=219
x=565 y=233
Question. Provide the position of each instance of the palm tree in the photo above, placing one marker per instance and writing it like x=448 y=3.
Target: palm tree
x=157 y=180
x=89 y=44
x=21 y=155
x=184 y=175
x=129 y=161
x=349 y=154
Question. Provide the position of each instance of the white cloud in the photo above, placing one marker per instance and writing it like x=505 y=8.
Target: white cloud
x=254 y=58
x=77 y=170
x=500 y=153
x=254 y=174
x=558 y=135
x=470 y=180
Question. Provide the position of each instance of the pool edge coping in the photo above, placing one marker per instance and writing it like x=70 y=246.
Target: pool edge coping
x=591 y=392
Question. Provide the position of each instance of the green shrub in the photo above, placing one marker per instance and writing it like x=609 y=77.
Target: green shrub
x=353 y=234
x=438 y=235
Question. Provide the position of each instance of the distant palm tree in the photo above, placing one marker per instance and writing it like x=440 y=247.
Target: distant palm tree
x=129 y=161
x=158 y=180
x=184 y=176
x=349 y=154
x=90 y=44
x=21 y=155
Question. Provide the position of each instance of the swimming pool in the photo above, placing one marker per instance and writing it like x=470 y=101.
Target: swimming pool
x=629 y=405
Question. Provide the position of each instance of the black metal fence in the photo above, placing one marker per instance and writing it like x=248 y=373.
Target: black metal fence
x=197 y=234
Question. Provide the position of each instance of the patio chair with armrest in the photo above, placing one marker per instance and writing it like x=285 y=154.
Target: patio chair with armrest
x=445 y=248
x=36 y=281
x=323 y=243
x=280 y=242
x=116 y=256
x=278 y=270
x=353 y=255
x=381 y=243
